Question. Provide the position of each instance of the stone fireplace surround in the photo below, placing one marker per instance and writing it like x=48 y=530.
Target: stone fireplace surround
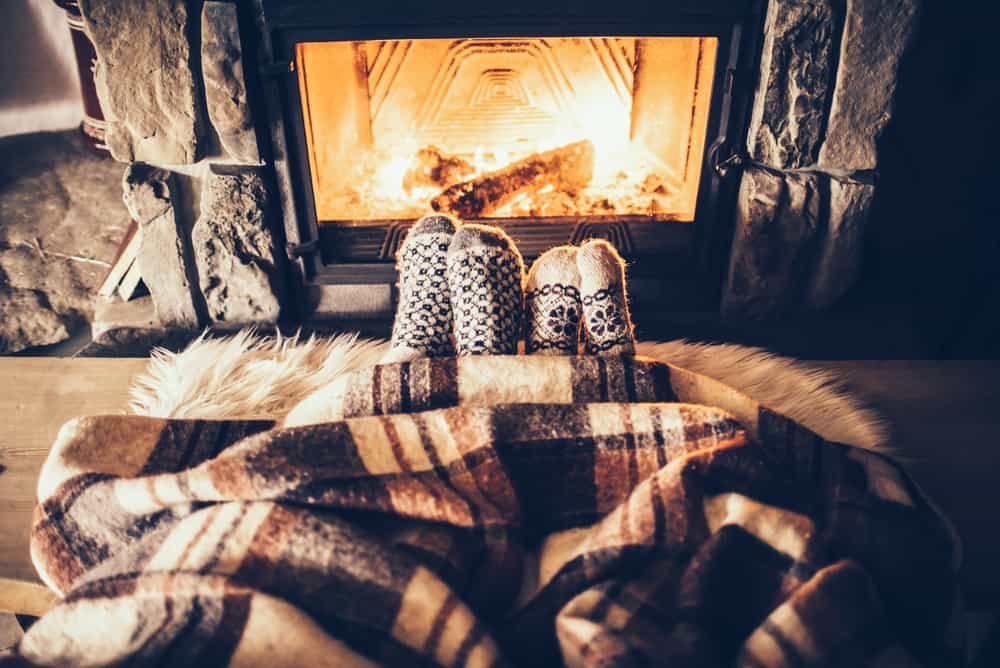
x=180 y=84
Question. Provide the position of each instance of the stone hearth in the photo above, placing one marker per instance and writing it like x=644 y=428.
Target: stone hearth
x=200 y=176
x=61 y=223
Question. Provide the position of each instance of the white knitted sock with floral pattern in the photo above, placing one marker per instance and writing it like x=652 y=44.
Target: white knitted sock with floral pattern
x=607 y=323
x=552 y=303
x=485 y=279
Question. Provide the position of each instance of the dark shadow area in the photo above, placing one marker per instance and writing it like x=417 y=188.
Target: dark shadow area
x=933 y=239
x=930 y=280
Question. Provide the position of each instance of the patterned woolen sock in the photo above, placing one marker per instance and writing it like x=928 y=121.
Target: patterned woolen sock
x=608 y=326
x=485 y=278
x=424 y=315
x=552 y=303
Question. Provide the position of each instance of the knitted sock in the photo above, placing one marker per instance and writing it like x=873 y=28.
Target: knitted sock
x=485 y=277
x=423 y=318
x=552 y=303
x=605 y=306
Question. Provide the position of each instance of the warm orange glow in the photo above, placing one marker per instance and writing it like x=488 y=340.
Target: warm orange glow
x=391 y=124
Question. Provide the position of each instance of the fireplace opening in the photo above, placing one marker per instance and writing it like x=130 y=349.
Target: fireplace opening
x=556 y=130
x=594 y=128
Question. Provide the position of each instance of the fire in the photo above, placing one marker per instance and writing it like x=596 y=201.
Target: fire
x=624 y=182
x=392 y=126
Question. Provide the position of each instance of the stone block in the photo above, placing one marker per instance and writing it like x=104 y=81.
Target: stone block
x=146 y=192
x=777 y=227
x=838 y=258
x=164 y=254
x=111 y=314
x=238 y=264
x=27 y=320
x=225 y=88
x=875 y=35
x=131 y=329
x=144 y=79
x=798 y=64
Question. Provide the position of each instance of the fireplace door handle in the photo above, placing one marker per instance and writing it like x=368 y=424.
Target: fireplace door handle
x=734 y=161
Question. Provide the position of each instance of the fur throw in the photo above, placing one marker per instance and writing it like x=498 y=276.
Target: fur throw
x=247 y=375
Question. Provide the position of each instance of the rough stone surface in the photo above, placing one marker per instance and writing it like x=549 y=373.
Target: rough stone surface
x=777 y=227
x=798 y=63
x=876 y=33
x=112 y=314
x=225 y=89
x=164 y=254
x=131 y=328
x=838 y=259
x=61 y=220
x=27 y=320
x=144 y=80
x=235 y=253
x=146 y=192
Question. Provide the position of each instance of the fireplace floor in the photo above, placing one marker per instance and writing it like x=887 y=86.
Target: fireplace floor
x=61 y=219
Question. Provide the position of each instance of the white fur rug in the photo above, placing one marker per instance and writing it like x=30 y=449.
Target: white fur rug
x=246 y=375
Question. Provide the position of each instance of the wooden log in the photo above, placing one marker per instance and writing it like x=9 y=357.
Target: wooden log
x=436 y=168
x=566 y=168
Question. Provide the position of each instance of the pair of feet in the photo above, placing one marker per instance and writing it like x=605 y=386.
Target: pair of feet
x=462 y=290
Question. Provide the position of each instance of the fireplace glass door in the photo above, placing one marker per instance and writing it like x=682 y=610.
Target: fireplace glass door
x=506 y=129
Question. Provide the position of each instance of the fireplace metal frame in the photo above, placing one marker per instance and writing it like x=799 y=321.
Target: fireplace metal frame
x=674 y=265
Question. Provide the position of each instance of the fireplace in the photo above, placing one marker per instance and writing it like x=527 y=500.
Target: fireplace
x=727 y=148
x=556 y=130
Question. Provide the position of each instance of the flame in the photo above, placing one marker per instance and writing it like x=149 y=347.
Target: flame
x=626 y=180
x=369 y=141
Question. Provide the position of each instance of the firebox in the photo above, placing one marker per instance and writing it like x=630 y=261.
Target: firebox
x=556 y=127
x=512 y=128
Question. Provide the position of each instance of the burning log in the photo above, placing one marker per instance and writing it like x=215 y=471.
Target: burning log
x=566 y=168
x=436 y=168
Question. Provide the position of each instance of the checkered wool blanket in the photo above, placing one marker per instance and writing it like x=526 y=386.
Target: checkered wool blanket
x=489 y=511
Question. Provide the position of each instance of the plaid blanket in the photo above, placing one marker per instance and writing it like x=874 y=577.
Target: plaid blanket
x=489 y=511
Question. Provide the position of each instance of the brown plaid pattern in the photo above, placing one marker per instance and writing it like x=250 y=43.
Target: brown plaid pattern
x=665 y=533
x=489 y=380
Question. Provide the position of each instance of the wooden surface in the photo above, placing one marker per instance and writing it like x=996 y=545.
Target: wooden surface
x=944 y=416
x=37 y=395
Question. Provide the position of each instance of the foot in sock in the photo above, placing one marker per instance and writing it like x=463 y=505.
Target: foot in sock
x=552 y=303
x=608 y=326
x=424 y=315
x=485 y=279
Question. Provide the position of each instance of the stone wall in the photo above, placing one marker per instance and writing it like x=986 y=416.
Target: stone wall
x=196 y=183
x=172 y=86
x=827 y=80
